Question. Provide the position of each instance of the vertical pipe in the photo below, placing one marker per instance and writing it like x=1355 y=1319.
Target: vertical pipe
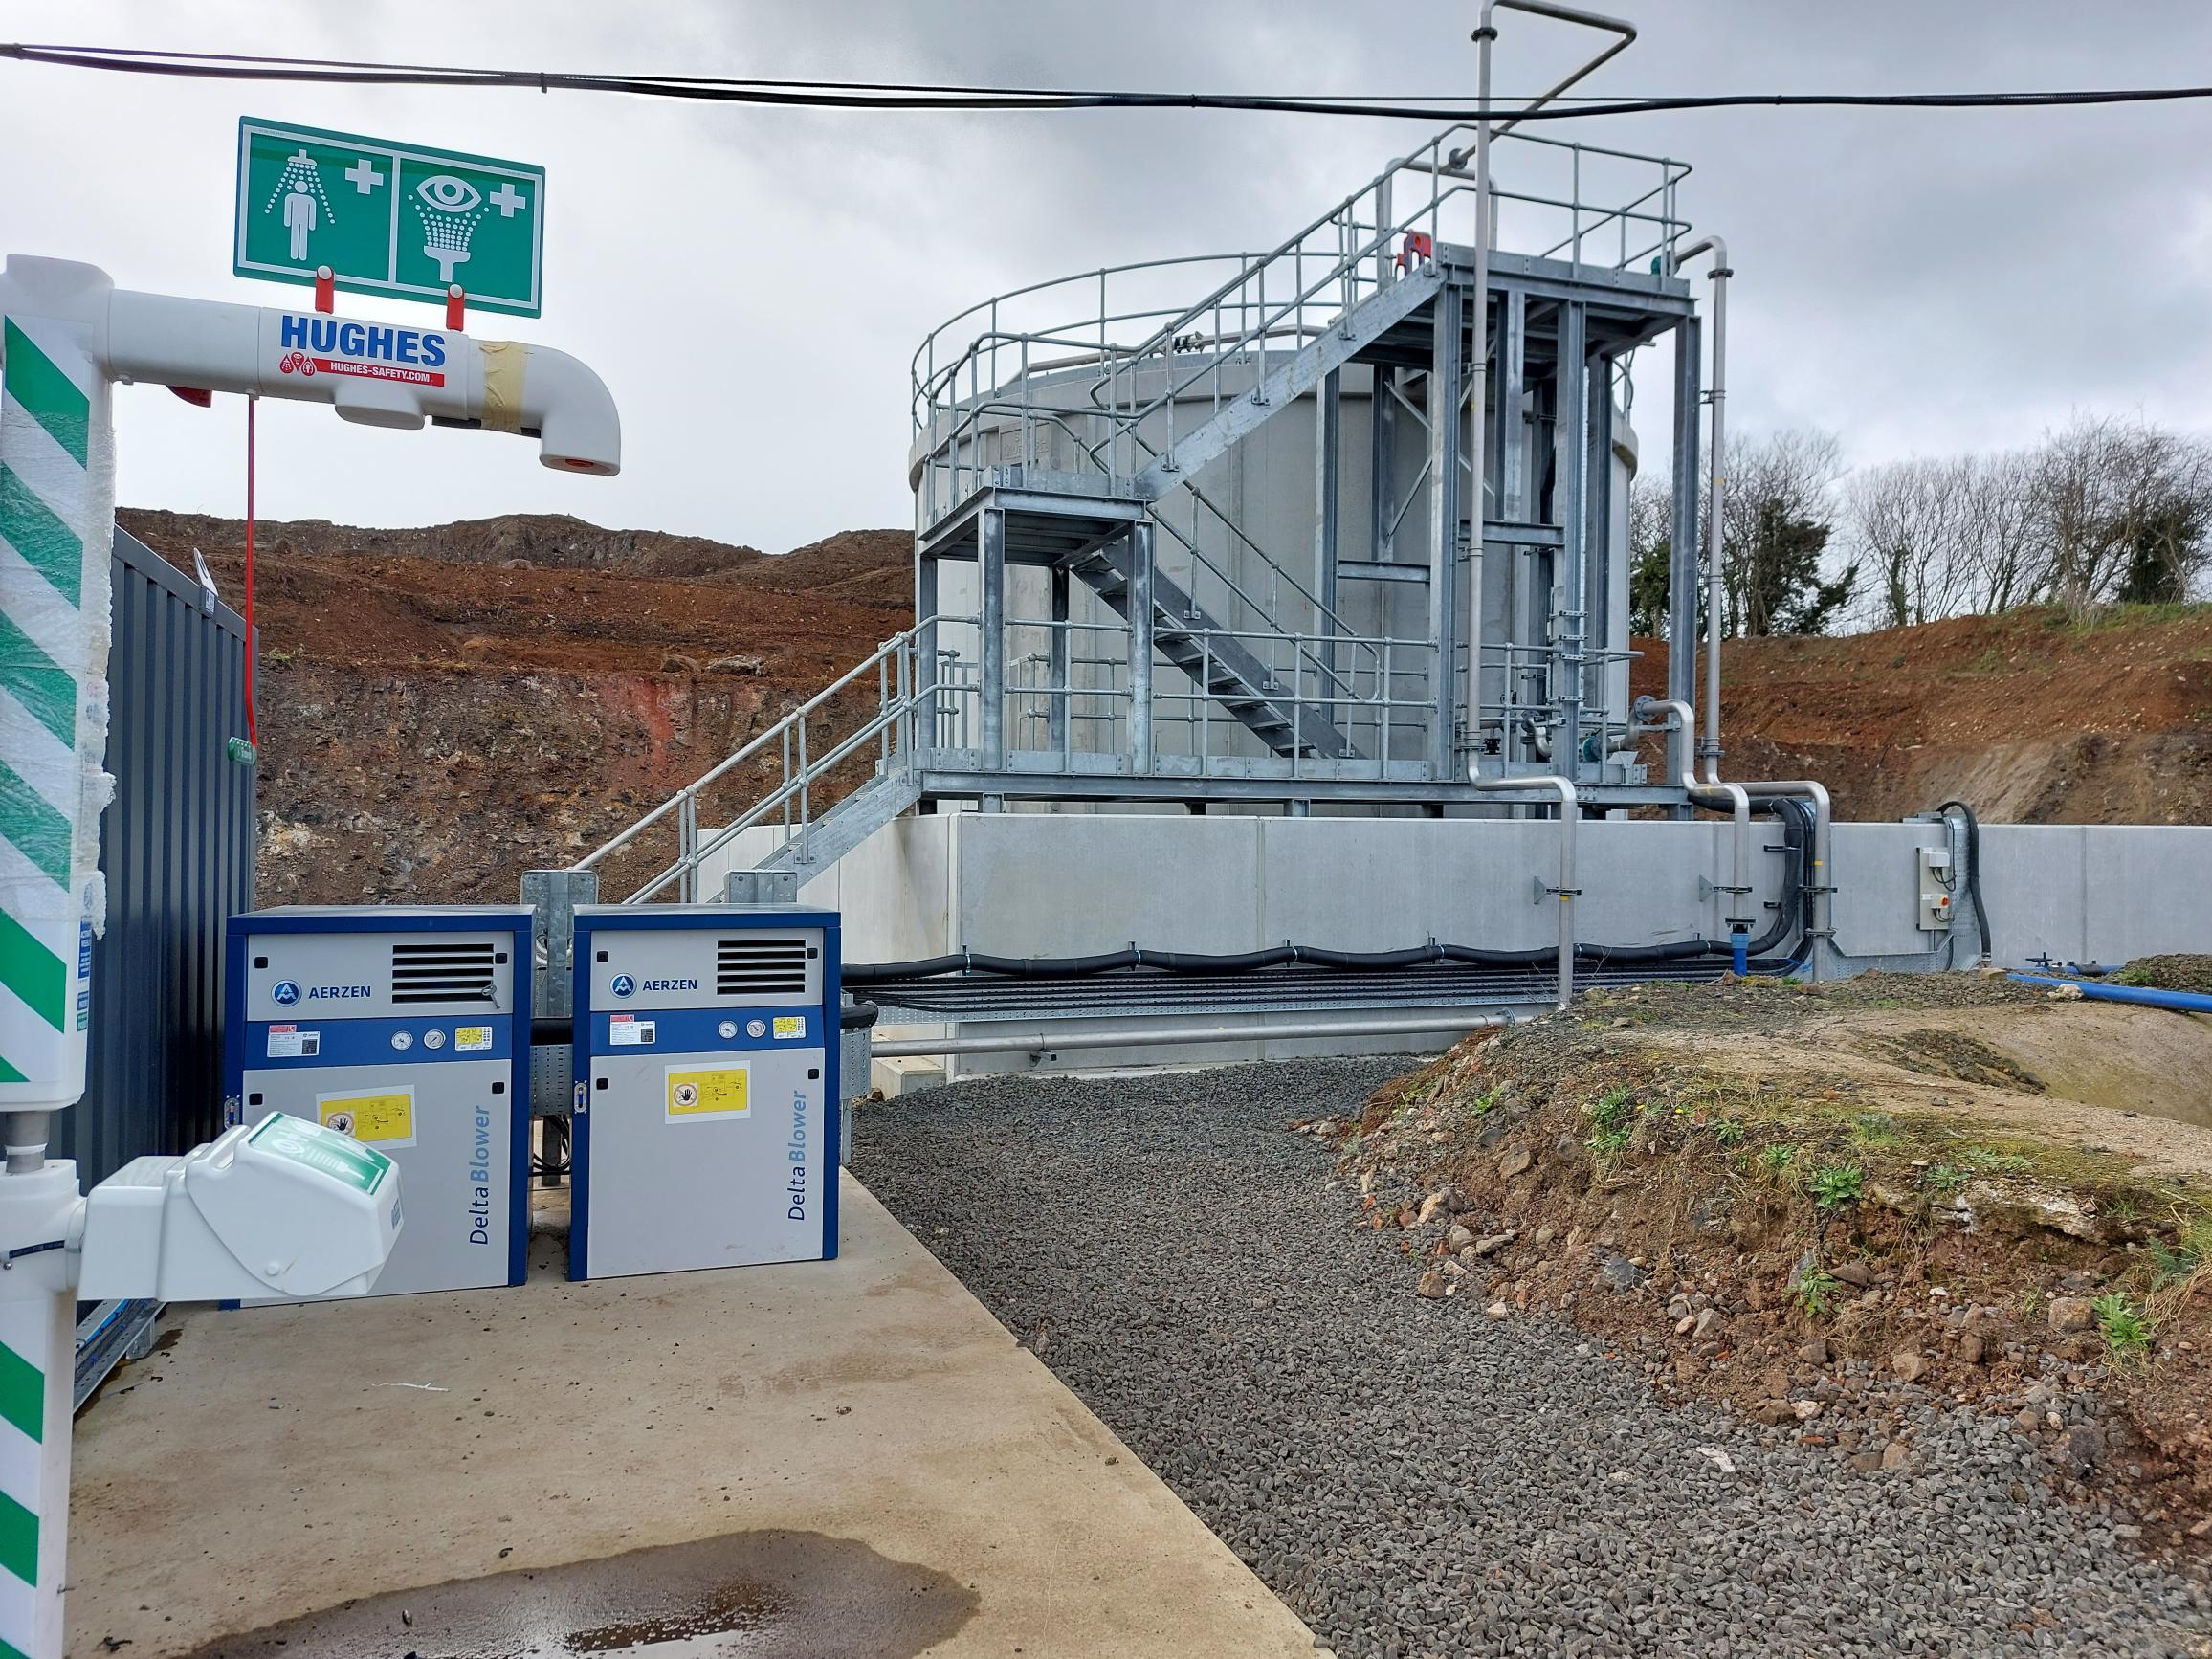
x=1570 y=813
x=1682 y=546
x=1056 y=709
x=1598 y=547
x=1709 y=749
x=1574 y=434
x=1140 y=629
x=1479 y=373
x=991 y=587
x=1443 y=394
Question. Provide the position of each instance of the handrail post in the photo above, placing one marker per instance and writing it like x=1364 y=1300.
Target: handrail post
x=687 y=847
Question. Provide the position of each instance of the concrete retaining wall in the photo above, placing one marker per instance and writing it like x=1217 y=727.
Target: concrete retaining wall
x=1045 y=884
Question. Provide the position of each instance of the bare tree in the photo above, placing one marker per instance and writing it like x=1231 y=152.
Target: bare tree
x=2119 y=509
x=1781 y=510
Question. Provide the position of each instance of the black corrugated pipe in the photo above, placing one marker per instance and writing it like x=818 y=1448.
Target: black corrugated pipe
x=1973 y=870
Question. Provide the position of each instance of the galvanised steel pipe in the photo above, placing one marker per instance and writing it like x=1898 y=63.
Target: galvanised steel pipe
x=1485 y=35
x=1124 y=1036
x=1734 y=799
x=1820 y=916
x=1710 y=754
x=1570 y=811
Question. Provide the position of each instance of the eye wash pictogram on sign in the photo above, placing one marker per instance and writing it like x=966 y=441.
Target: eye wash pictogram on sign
x=387 y=218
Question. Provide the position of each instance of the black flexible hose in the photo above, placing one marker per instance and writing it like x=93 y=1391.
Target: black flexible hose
x=1973 y=869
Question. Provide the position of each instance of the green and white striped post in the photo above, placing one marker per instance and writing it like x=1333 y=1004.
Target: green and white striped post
x=56 y=523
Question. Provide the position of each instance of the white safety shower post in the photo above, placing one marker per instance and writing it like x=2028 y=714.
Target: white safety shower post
x=66 y=335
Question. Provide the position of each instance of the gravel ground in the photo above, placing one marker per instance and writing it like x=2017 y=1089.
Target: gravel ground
x=1416 y=1479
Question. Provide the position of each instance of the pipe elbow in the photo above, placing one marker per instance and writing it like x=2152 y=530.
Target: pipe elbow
x=570 y=410
x=1722 y=270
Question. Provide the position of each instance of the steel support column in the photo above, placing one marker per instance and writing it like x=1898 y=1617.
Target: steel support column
x=991 y=651
x=1445 y=386
x=1682 y=546
x=1328 y=445
x=1057 y=725
x=927 y=715
x=1381 y=464
x=1141 y=623
x=1512 y=409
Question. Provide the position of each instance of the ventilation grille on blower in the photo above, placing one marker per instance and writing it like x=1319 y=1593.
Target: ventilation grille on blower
x=760 y=965
x=443 y=972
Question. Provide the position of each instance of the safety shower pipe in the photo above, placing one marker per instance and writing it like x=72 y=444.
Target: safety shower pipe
x=1716 y=521
x=1479 y=387
x=1734 y=799
x=1118 y=1035
x=1570 y=811
x=66 y=334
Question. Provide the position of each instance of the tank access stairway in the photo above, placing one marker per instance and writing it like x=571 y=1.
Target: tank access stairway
x=1186 y=636
x=1068 y=510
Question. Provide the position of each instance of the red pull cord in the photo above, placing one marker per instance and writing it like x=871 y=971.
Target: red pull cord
x=252 y=736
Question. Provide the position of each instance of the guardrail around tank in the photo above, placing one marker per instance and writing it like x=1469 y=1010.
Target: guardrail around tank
x=925 y=709
x=1134 y=348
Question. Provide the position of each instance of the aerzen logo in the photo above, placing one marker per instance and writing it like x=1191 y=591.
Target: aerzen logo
x=285 y=994
x=625 y=985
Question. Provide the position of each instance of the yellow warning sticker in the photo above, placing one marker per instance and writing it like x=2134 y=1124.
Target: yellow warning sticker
x=701 y=1091
x=382 y=1119
x=789 y=1025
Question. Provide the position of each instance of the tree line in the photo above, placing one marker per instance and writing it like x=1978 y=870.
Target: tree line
x=2109 y=509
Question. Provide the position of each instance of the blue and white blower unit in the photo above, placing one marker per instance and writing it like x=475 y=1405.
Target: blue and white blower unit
x=706 y=1088
x=406 y=1027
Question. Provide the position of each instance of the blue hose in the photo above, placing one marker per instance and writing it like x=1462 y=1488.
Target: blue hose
x=2181 y=1002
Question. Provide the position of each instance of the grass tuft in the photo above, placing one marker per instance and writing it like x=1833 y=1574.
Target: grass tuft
x=1816 y=1291
x=1835 y=1185
x=2127 y=1332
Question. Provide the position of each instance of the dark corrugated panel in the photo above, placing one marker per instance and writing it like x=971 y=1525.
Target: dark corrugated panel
x=178 y=849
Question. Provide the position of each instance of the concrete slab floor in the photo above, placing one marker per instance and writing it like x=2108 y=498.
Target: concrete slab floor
x=274 y=1463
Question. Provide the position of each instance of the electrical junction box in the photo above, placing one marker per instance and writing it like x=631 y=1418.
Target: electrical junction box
x=705 y=1121
x=407 y=1029
x=1938 y=882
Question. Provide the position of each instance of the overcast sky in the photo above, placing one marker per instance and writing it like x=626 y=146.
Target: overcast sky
x=752 y=284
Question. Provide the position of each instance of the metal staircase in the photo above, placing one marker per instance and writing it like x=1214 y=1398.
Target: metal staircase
x=1215 y=660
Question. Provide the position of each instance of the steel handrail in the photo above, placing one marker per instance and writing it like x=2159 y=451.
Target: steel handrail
x=774 y=734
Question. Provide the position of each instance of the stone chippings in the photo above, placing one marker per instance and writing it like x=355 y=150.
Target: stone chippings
x=1416 y=1479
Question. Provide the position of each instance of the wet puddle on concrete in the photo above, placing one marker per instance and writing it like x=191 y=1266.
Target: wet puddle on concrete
x=766 y=1595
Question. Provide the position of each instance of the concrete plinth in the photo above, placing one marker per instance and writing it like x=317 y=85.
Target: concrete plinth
x=290 y=1459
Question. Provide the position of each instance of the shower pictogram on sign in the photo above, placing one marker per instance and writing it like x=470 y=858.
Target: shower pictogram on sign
x=305 y=208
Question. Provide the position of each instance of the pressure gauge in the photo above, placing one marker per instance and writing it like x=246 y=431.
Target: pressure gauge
x=728 y=1029
x=401 y=1040
x=434 y=1038
x=756 y=1028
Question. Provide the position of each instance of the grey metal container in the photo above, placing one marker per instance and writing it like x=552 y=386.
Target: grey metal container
x=177 y=848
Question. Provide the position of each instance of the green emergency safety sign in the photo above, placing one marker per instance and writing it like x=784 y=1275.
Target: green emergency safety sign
x=389 y=218
x=325 y=1151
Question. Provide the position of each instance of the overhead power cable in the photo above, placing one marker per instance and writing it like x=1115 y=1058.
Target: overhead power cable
x=914 y=97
